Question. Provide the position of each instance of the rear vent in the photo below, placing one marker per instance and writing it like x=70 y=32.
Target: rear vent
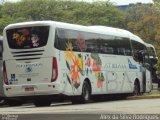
x=28 y=55
x=24 y=55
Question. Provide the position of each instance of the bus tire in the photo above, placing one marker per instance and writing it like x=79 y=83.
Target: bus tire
x=86 y=92
x=136 y=90
x=85 y=96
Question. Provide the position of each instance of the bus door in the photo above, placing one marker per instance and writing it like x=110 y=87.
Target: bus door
x=142 y=58
x=145 y=69
x=147 y=73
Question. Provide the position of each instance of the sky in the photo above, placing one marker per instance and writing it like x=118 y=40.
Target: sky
x=116 y=2
x=121 y=2
x=126 y=2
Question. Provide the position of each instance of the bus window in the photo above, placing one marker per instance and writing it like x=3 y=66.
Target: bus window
x=151 y=52
x=81 y=41
x=136 y=51
x=152 y=55
x=60 y=39
x=106 y=44
x=29 y=37
x=140 y=52
x=117 y=46
x=123 y=46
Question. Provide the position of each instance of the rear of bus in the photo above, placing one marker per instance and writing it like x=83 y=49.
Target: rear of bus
x=29 y=63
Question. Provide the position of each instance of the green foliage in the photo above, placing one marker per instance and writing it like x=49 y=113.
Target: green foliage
x=143 y=20
x=157 y=4
x=139 y=21
x=96 y=13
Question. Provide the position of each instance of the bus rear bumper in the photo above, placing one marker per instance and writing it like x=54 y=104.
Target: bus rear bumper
x=32 y=90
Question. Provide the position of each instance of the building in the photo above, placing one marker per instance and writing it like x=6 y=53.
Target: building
x=125 y=4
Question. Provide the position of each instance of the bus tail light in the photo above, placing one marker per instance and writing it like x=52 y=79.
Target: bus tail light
x=54 y=70
x=5 y=73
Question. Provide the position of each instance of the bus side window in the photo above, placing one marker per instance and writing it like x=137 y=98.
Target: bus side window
x=60 y=39
x=106 y=44
x=139 y=52
x=92 y=44
x=123 y=46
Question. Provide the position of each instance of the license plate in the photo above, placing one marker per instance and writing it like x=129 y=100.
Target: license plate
x=28 y=89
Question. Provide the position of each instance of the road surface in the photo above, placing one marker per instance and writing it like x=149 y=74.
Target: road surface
x=92 y=110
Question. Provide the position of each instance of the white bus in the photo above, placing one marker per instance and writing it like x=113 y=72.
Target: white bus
x=143 y=56
x=43 y=59
x=1 y=81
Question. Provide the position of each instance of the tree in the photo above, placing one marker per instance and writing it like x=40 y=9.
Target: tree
x=143 y=20
x=84 y=13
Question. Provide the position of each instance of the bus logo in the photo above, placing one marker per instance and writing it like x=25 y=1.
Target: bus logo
x=28 y=69
x=131 y=65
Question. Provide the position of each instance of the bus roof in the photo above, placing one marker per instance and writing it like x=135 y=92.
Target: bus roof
x=119 y=31
x=149 y=45
x=95 y=29
x=153 y=48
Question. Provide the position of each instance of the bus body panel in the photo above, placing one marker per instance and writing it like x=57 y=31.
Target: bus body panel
x=29 y=73
x=118 y=77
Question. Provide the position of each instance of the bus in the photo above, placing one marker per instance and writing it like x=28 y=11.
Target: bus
x=144 y=54
x=45 y=60
x=1 y=82
x=151 y=51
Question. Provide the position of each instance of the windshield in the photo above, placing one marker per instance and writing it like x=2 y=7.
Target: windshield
x=28 y=37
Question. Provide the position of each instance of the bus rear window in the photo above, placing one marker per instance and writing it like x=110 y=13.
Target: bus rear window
x=28 y=37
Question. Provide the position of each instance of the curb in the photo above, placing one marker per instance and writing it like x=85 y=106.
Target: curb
x=154 y=94
x=142 y=97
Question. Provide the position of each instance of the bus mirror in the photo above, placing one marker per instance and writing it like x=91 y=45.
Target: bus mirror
x=148 y=66
x=154 y=60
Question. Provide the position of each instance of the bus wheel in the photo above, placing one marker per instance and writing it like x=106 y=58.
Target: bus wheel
x=136 y=90
x=86 y=92
x=85 y=96
x=40 y=103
